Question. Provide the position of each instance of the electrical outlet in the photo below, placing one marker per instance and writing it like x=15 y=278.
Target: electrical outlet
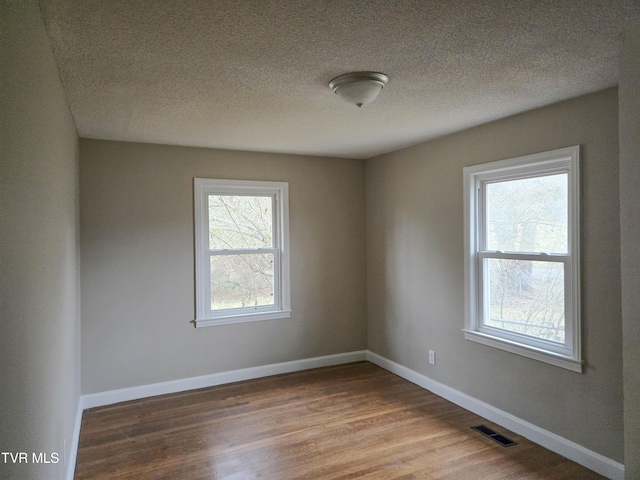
x=432 y=357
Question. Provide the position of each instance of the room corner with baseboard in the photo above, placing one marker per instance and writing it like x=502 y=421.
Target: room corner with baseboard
x=110 y=111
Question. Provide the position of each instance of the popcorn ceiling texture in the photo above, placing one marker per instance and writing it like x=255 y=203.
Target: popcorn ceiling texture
x=254 y=74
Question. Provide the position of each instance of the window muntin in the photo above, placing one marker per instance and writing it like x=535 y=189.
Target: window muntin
x=522 y=256
x=242 y=264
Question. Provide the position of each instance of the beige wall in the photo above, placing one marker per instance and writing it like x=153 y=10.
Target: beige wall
x=39 y=289
x=138 y=263
x=137 y=250
x=630 y=241
x=416 y=271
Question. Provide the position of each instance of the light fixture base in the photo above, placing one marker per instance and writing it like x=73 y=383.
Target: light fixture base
x=359 y=88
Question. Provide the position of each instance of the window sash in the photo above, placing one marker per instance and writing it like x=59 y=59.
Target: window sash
x=277 y=300
x=483 y=304
x=275 y=250
x=275 y=230
x=523 y=173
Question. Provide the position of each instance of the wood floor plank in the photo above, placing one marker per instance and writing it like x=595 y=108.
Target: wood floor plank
x=353 y=421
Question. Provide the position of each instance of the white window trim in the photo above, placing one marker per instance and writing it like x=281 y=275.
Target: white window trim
x=203 y=187
x=568 y=356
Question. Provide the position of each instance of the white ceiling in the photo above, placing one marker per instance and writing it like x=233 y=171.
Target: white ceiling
x=254 y=74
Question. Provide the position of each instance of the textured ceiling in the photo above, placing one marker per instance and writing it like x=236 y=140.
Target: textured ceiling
x=253 y=74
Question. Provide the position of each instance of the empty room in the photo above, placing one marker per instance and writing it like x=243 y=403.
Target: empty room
x=320 y=239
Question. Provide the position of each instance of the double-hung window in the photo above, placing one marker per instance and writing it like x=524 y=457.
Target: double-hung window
x=242 y=251
x=522 y=260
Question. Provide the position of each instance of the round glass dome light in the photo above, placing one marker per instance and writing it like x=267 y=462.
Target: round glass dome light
x=359 y=88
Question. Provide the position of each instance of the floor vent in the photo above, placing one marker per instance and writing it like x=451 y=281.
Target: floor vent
x=493 y=435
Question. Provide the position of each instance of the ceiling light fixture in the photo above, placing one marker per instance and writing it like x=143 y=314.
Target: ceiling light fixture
x=359 y=88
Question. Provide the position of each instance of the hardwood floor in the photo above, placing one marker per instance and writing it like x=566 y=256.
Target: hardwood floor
x=345 y=422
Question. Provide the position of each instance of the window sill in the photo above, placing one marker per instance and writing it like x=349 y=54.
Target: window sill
x=242 y=318
x=524 y=350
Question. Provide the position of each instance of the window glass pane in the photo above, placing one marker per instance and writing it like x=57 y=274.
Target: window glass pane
x=244 y=280
x=526 y=297
x=528 y=215
x=238 y=221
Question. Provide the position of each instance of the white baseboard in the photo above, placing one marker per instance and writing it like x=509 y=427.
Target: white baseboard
x=73 y=447
x=133 y=393
x=577 y=453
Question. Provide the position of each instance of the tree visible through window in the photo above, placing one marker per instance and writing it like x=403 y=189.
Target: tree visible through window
x=242 y=268
x=238 y=224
